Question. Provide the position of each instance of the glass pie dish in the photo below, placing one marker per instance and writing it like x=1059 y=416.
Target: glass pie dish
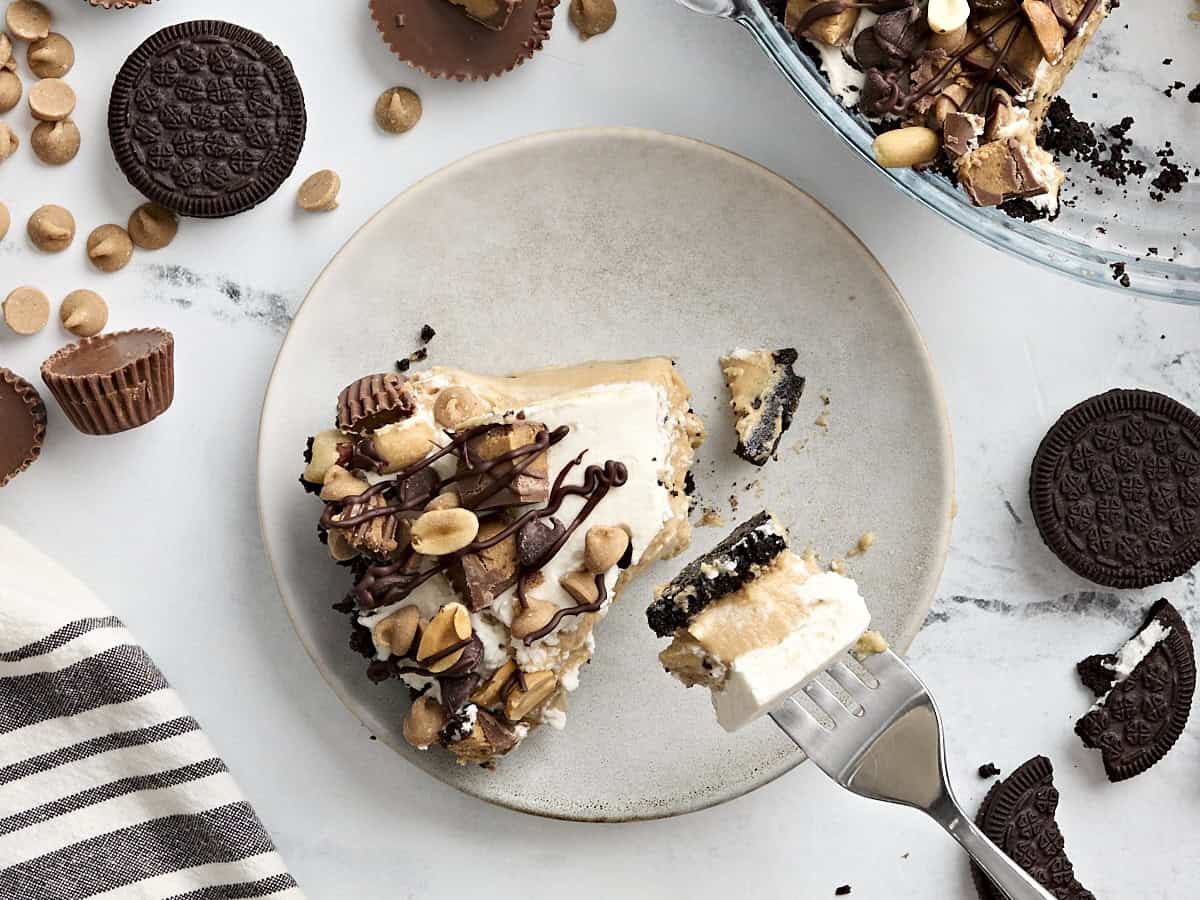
x=1127 y=231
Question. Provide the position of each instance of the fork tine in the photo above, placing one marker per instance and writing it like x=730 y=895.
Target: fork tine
x=799 y=724
x=850 y=683
x=827 y=701
x=881 y=664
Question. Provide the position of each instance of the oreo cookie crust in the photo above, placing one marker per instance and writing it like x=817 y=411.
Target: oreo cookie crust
x=1115 y=488
x=724 y=569
x=1018 y=816
x=207 y=118
x=1142 y=710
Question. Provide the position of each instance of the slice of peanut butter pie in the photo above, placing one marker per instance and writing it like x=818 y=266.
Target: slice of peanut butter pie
x=489 y=522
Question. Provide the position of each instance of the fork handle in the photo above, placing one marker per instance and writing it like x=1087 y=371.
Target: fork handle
x=1005 y=874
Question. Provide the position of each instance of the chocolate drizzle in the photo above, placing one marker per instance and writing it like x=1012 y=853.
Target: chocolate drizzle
x=578 y=609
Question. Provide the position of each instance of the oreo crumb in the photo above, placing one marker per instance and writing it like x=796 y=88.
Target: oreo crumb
x=1119 y=274
x=1173 y=88
x=420 y=355
x=1024 y=209
x=843 y=891
x=1194 y=94
x=402 y=365
x=427 y=333
x=1170 y=180
x=988 y=770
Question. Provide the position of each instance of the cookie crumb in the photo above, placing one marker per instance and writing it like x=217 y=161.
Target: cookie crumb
x=988 y=770
x=427 y=333
x=843 y=891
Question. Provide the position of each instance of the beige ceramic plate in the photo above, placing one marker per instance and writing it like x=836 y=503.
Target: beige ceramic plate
x=615 y=243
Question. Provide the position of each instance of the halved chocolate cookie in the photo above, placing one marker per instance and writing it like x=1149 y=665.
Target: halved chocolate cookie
x=1115 y=488
x=1018 y=816
x=1146 y=693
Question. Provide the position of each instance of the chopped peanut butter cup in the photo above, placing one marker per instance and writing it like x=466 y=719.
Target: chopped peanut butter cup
x=114 y=382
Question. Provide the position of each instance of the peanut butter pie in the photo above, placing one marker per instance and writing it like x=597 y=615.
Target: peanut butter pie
x=764 y=393
x=489 y=522
x=753 y=622
x=962 y=84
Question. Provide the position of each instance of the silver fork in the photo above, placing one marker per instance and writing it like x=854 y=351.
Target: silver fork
x=891 y=749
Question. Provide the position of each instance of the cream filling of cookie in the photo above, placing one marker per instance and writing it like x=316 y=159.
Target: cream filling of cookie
x=1131 y=654
x=758 y=645
x=636 y=413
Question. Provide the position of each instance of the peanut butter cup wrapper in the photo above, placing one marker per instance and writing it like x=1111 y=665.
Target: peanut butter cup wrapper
x=436 y=37
x=114 y=382
x=22 y=425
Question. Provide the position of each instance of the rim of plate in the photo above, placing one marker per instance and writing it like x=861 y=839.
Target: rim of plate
x=903 y=641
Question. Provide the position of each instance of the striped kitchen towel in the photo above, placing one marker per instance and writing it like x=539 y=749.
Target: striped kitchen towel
x=108 y=788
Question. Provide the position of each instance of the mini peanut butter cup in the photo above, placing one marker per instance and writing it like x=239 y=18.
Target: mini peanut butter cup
x=114 y=382
x=374 y=401
x=22 y=425
x=440 y=39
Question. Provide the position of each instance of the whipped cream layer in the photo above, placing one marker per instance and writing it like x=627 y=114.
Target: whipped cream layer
x=776 y=634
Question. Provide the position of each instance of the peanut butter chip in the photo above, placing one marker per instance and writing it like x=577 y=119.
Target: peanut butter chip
x=51 y=100
x=51 y=228
x=152 y=227
x=319 y=191
x=397 y=110
x=55 y=143
x=109 y=248
x=593 y=17
x=5 y=221
x=27 y=19
x=10 y=90
x=83 y=313
x=26 y=310
x=51 y=57
x=9 y=142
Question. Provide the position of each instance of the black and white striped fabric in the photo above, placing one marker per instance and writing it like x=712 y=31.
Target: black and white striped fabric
x=108 y=788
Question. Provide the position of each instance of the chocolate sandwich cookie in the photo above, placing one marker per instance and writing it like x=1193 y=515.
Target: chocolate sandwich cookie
x=207 y=118
x=1145 y=694
x=1115 y=488
x=1018 y=816
x=22 y=425
x=114 y=382
x=441 y=39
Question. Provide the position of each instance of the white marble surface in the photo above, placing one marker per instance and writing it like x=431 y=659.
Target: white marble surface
x=162 y=521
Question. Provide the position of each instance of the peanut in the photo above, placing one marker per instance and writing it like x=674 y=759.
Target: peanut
x=443 y=531
x=946 y=16
x=449 y=626
x=448 y=500
x=455 y=405
x=533 y=618
x=403 y=444
x=397 y=632
x=904 y=147
x=538 y=688
x=340 y=484
x=339 y=545
x=581 y=586
x=324 y=455
x=424 y=722
x=603 y=547
x=488 y=694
